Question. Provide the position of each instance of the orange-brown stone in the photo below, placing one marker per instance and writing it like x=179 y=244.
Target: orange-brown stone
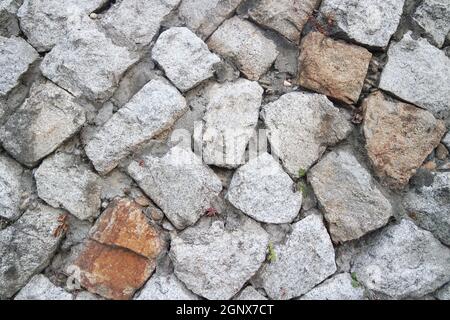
x=334 y=68
x=399 y=137
x=123 y=224
x=113 y=273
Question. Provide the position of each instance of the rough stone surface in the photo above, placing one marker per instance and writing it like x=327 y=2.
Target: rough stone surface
x=305 y=260
x=9 y=26
x=46 y=119
x=285 y=16
x=40 y=288
x=230 y=121
x=184 y=57
x=121 y=252
x=371 y=23
x=434 y=17
x=246 y=45
x=250 y=294
x=262 y=190
x=64 y=181
x=353 y=204
x=300 y=127
x=331 y=67
x=429 y=206
x=443 y=293
x=179 y=183
x=16 y=56
x=205 y=16
x=446 y=140
x=47 y=22
x=26 y=247
x=219 y=149
x=123 y=224
x=403 y=261
x=399 y=137
x=87 y=296
x=418 y=73
x=338 y=287
x=165 y=287
x=136 y=22
x=215 y=261
x=15 y=183
x=114 y=273
x=87 y=64
x=78 y=231
x=157 y=106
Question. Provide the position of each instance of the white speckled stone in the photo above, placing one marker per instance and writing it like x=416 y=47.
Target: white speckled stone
x=262 y=190
x=184 y=57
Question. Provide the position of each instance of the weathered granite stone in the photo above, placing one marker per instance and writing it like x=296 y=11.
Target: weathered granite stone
x=121 y=253
x=262 y=190
x=47 y=118
x=136 y=22
x=77 y=232
x=371 y=23
x=339 y=287
x=184 y=57
x=87 y=64
x=331 y=67
x=204 y=16
x=16 y=56
x=300 y=127
x=434 y=17
x=418 y=73
x=124 y=224
x=165 y=287
x=429 y=206
x=134 y=80
x=86 y=296
x=151 y=111
x=403 y=261
x=116 y=184
x=446 y=140
x=230 y=121
x=250 y=294
x=179 y=183
x=27 y=246
x=245 y=45
x=40 y=288
x=65 y=181
x=215 y=261
x=15 y=187
x=9 y=26
x=399 y=137
x=112 y=272
x=46 y=22
x=305 y=260
x=353 y=204
x=285 y=16
x=443 y=293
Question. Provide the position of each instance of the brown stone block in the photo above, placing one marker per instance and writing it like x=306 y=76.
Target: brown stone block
x=113 y=273
x=123 y=224
x=333 y=68
x=399 y=137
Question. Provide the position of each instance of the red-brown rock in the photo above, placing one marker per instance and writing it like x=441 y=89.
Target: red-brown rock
x=399 y=137
x=334 y=68
x=120 y=255
x=113 y=273
x=123 y=224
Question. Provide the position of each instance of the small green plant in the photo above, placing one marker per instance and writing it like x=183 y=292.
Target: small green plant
x=303 y=188
x=301 y=172
x=355 y=282
x=271 y=255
